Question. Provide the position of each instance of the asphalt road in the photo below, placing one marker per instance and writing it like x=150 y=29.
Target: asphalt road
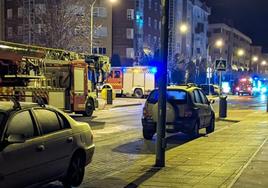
x=119 y=142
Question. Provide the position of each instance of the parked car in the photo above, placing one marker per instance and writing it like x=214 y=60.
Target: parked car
x=188 y=110
x=40 y=144
x=210 y=89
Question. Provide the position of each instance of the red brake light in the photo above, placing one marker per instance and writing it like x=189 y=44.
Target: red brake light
x=237 y=88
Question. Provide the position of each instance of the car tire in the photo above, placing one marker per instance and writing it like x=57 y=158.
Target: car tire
x=76 y=171
x=195 y=131
x=89 y=109
x=147 y=134
x=211 y=127
x=138 y=93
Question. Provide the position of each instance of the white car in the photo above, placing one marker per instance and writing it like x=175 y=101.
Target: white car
x=40 y=144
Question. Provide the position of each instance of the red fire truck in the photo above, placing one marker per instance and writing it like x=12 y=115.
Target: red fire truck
x=59 y=77
x=244 y=86
x=132 y=81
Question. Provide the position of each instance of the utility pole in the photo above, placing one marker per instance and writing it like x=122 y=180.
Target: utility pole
x=161 y=123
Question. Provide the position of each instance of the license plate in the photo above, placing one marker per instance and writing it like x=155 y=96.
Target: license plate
x=170 y=126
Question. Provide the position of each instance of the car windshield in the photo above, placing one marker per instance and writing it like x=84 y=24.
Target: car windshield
x=178 y=96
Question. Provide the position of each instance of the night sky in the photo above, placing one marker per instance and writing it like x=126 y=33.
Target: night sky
x=248 y=16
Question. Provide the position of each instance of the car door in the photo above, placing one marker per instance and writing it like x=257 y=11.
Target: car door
x=201 y=108
x=206 y=106
x=21 y=160
x=58 y=140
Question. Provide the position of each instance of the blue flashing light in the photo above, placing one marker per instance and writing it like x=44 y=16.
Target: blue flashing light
x=124 y=70
x=153 y=70
x=264 y=90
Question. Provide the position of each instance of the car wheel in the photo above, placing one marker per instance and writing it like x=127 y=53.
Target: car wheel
x=195 y=132
x=148 y=135
x=76 y=171
x=138 y=93
x=89 y=108
x=211 y=126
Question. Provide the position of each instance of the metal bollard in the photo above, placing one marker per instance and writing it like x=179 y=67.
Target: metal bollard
x=223 y=107
x=109 y=96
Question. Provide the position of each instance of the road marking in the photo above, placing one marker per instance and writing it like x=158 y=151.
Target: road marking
x=246 y=165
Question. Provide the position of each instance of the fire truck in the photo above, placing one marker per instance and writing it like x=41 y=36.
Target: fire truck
x=244 y=86
x=58 y=77
x=134 y=81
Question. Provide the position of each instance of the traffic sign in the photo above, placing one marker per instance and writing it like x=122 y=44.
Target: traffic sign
x=221 y=65
x=209 y=72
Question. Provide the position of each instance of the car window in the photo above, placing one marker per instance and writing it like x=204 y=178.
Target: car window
x=197 y=98
x=203 y=97
x=21 y=124
x=116 y=74
x=63 y=121
x=47 y=120
x=178 y=96
x=153 y=97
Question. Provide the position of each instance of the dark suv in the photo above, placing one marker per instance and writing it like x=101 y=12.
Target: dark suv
x=188 y=110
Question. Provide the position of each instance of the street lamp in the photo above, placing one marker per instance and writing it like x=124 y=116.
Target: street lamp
x=240 y=52
x=184 y=28
x=264 y=62
x=254 y=60
x=219 y=43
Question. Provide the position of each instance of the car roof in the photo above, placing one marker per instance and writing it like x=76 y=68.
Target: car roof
x=7 y=106
x=182 y=87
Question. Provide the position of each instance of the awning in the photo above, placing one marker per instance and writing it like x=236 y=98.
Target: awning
x=234 y=67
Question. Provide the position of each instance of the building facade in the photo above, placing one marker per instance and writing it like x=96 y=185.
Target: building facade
x=136 y=31
x=2 y=16
x=60 y=24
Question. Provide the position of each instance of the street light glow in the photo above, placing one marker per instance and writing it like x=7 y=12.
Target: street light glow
x=184 y=28
x=219 y=43
x=113 y=1
x=241 y=52
x=255 y=58
x=264 y=62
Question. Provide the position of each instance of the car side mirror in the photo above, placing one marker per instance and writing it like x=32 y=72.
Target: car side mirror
x=16 y=138
x=211 y=101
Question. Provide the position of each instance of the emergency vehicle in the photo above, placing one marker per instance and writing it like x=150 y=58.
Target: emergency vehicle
x=244 y=86
x=58 y=77
x=132 y=81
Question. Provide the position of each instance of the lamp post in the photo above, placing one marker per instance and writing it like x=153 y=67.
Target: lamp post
x=254 y=60
x=218 y=44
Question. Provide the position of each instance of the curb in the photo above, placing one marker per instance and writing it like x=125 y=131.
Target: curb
x=126 y=105
x=227 y=120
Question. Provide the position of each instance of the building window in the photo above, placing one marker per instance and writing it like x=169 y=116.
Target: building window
x=39 y=28
x=40 y=9
x=149 y=21
x=102 y=50
x=95 y=50
x=130 y=33
x=130 y=53
x=100 y=12
x=130 y=14
x=160 y=25
x=101 y=32
x=150 y=4
x=155 y=6
x=149 y=39
x=155 y=24
x=20 y=30
x=155 y=39
x=9 y=32
x=20 y=12
x=9 y=14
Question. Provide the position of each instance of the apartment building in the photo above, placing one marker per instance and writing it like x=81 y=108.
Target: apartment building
x=136 y=31
x=236 y=49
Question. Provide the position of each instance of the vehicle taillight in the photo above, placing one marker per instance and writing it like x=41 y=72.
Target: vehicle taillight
x=188 y=114
x=249 y=88
x=237 y=88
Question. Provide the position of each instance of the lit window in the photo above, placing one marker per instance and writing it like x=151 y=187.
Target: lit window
x=149 y=21
x=9 y=13
x=130 y=14
x=130 y=33
x=20 y=12
x=100 y=12
x=130 y=53
x=9 y=31
x=155 y=24
x=101 y=32
x=150 y=4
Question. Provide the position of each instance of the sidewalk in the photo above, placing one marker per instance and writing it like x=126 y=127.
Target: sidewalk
x=221 y=159
x=120 y=102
